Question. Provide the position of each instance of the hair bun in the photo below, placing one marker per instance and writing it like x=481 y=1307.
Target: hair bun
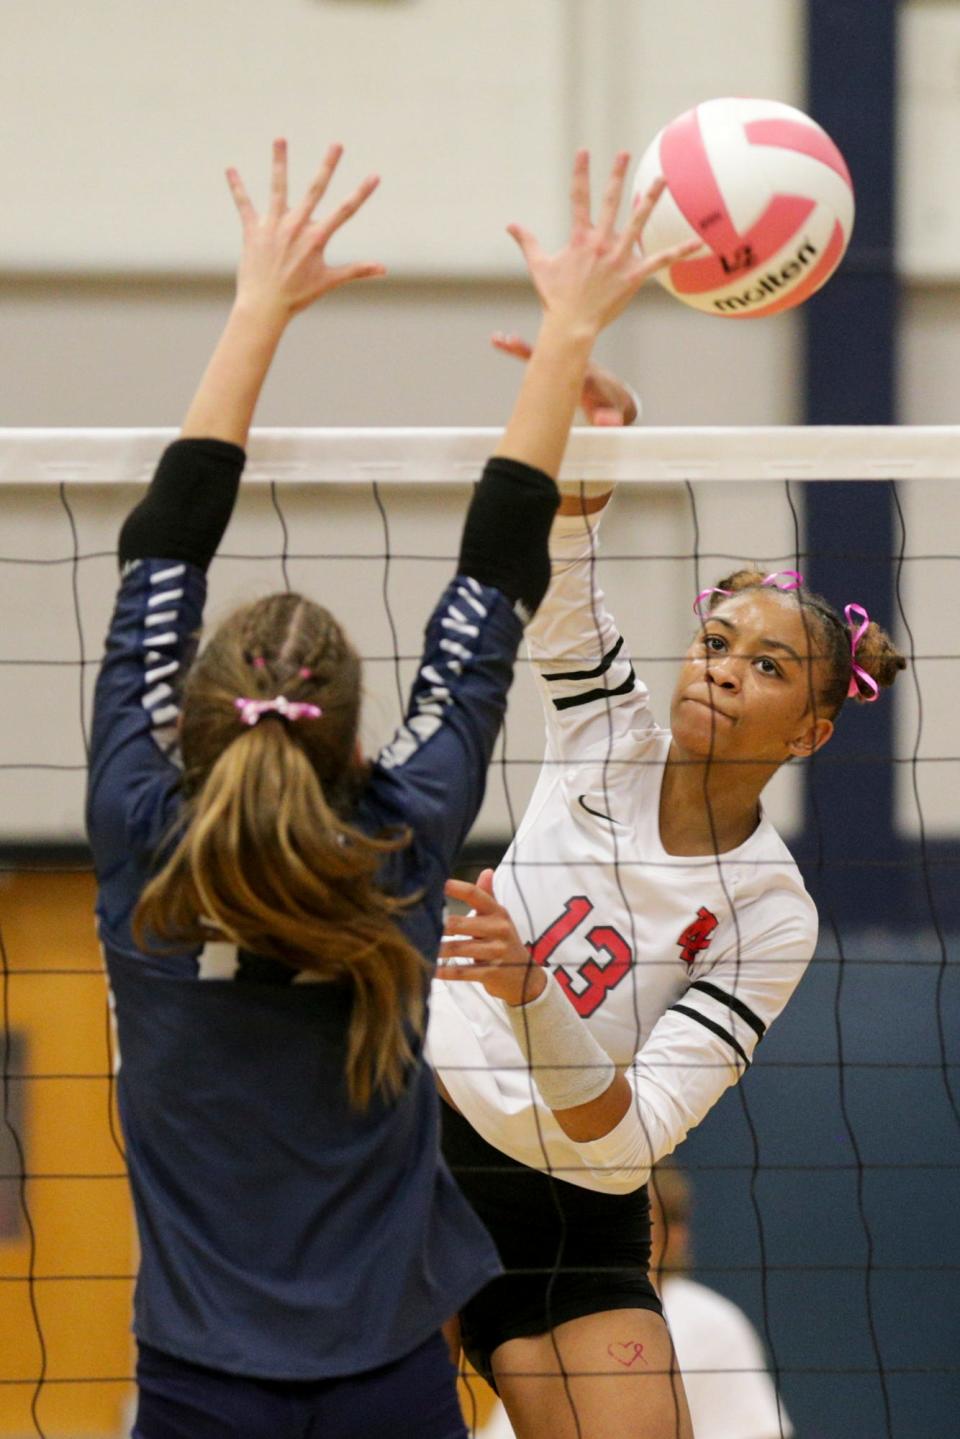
x=878 y=656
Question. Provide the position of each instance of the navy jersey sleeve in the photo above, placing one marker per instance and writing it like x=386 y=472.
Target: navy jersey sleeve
x=134 y=769
x=431 y=777
x=133 y=786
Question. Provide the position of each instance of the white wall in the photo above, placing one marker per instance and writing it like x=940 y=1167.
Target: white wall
x=122 y=114
x=118 y=236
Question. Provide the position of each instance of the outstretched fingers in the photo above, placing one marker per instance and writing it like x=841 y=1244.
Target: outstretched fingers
x=612 y=195
x=514 y=345
x=349 y=207
x=528 y=243
x=345 y=274
x=318 y=186
x=278 y=179
x=663 y=259
x=580 y=193
x=240 y=198
x=643 y=208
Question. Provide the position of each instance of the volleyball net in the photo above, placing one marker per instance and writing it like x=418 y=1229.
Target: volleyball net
x=825 y=1187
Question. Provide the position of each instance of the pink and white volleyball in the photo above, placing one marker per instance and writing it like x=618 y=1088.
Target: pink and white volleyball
x=767 y=191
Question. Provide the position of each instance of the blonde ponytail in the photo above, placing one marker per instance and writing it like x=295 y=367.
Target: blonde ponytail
x=267 y=860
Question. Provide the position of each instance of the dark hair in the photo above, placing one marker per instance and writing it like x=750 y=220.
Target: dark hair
x=876 y=652
x=268 y=858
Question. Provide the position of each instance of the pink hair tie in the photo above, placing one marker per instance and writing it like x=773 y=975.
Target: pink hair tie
x=258 y=662
x=253 y=710
x=794 y=581
x=714 y=590
x=859 y=679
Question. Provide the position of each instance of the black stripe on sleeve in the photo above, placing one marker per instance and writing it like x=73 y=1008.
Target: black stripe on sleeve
x=737 y=1005
x=593 y=674
x=597 y=694
x=716 y=1029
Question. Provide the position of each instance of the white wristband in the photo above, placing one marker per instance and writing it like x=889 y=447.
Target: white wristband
x=568 y=1064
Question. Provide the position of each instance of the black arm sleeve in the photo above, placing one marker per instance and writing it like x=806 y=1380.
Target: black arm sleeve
x=188 y=506
x=506 y=531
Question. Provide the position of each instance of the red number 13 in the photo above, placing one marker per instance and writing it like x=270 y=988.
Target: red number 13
x=597 y=977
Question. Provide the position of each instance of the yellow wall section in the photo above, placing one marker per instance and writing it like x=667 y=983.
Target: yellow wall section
x=84 y=1227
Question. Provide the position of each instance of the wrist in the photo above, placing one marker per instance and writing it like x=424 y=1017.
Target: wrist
x=567 y=332
x=267 y=315
x=535 y=981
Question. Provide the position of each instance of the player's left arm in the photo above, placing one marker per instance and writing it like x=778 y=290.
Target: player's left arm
x=624 y=1122
x=702 y=1046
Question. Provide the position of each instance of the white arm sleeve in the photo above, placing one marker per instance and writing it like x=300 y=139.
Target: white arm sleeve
x=697 y=1050
x=587 y=685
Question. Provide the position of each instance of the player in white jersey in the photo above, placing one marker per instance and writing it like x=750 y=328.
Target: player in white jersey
x=643 y=931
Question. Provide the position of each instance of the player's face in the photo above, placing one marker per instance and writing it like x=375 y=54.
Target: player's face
x=746 y=687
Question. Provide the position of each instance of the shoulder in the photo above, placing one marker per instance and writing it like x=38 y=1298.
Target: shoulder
x=770 y=882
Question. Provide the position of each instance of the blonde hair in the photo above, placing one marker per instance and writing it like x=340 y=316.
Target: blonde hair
x=876 y=652
x=268 y=859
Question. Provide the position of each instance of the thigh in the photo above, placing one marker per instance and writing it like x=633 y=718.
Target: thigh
x=612 y=1373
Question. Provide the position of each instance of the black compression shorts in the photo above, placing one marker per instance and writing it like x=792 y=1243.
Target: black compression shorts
x=567 y=1251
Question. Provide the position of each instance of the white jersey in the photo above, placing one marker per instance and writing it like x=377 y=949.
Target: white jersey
x=677 y=964
x=724 y=1368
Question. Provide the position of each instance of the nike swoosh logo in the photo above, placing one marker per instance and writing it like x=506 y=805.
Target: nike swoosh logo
x=598 y=814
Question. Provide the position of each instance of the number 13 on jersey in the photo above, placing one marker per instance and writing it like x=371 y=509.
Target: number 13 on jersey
x=593 y=980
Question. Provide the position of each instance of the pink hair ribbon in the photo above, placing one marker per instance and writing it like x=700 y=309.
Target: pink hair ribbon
x=859 y=679
x=794 y=579
x=253 y=710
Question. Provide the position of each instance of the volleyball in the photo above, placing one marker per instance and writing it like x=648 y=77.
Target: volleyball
x=767 y=191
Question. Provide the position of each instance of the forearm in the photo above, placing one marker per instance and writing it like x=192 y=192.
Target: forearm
x=576 y=1078
x=537 y=431
x=598 y=1117
x=223 y=406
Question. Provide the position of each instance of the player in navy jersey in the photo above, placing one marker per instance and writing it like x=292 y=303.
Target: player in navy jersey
x=644 y=929
x=270 y=906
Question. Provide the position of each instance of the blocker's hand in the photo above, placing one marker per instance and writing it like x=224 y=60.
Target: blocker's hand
x=500 y=960
x=591 y=280
x=283 y=267
x=604 y=399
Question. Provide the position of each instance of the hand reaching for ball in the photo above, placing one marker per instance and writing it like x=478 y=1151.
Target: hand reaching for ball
x=591 y=280
x=606 y=400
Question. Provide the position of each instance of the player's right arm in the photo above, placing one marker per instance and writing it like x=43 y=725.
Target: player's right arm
x=586 y=681
x=444 y=746
x=169 y=539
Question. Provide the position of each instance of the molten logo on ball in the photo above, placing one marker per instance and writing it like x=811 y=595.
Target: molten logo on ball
x=767 y=192
x=770 y=284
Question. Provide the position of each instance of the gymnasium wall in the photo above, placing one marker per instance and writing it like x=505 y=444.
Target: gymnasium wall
x=115 y=259
x=116 y=248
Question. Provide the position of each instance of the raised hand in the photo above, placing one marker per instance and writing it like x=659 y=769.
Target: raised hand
x=283 y=269
x=283 y=266
x=604 y=399
x=591 y=280
x=500 y=960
